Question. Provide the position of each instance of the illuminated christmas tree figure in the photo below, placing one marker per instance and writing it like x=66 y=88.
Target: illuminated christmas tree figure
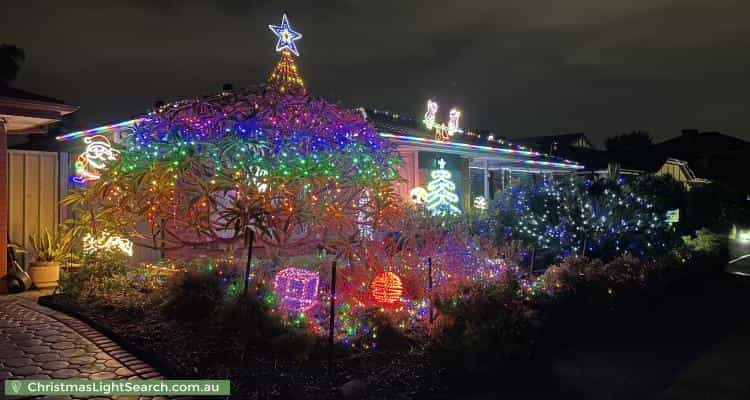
x=285 y=76
x=441 y=196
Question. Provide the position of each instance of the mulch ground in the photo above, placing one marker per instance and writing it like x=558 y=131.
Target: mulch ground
x=204 y=352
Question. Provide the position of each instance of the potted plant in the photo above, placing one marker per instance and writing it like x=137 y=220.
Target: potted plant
x=49 y=249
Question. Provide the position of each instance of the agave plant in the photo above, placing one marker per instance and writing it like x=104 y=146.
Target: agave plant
x=53 y=246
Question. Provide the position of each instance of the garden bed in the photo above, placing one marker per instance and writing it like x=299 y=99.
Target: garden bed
x=204 y=352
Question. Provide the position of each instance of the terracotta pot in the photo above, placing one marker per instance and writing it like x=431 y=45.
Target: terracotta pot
x=44 y=274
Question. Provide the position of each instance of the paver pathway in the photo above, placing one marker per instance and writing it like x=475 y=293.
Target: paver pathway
x=39 y=343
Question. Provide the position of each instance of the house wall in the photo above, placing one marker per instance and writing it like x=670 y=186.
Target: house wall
x=409 y=172
x=673 y=170
x=413 y=174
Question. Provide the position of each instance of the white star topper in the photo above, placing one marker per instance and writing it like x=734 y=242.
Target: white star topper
x=286 y=36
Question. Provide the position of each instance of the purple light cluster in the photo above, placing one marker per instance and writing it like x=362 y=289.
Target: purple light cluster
x=296 y=288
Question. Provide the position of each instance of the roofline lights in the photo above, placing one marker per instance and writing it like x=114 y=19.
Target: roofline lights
x=566 y=164
x=97 y=130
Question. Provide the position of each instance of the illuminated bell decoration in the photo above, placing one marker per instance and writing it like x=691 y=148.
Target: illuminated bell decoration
x=297 y=288
x=480 y=203
x=386 y=288
x=104 y=241
x=418 y=196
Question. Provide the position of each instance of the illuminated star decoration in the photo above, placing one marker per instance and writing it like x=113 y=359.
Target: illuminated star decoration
x=286 y=36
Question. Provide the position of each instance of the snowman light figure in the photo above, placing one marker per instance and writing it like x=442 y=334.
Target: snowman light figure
x=90 y=162
x=418 y=196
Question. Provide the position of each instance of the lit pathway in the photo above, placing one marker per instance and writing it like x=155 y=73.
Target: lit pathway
x=39 y=343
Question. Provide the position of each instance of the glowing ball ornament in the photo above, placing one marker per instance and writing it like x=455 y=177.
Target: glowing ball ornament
x=386 y=288
x=296 y=288
x=418 y=196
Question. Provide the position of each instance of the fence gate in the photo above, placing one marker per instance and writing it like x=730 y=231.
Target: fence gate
x=34 y=182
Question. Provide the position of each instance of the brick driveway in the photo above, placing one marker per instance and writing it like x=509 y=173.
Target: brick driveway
x=39 y=343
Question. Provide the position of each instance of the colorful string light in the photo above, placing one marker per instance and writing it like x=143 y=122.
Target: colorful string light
x=466 y=146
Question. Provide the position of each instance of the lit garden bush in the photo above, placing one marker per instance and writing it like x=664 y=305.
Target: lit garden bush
x=597 y=217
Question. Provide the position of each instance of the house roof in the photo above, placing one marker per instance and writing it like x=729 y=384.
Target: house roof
x=28 y=112
x=692 y=142
x=478 y=144
x=563 y=138
x=7 y=91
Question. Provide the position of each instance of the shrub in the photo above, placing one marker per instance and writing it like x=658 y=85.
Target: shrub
x=572 y=216
x=704 y=242
x=706 y=252
x=627 y=272
x=663 y=191
x=257 y=325
x=193 y=296
x=483 y=325
x=570 y=274
x=381 y=328
x=103 y=273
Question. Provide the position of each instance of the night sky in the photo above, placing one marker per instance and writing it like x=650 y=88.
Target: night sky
x=519 y=68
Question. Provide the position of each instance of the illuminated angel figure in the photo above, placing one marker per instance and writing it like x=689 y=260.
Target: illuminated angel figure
x=442 y=132
x=453 y=122
x=429 y=116
x=90 y=162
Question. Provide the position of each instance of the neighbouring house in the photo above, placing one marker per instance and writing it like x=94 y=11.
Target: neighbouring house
x=694 y=157
x=681 y=172
x=572 y=146
x=554 y=144
x=711 y=155
x=25 y=196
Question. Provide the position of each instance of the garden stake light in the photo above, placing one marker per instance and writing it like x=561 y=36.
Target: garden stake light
x=249 y=238
x=332 y=318
x=429 y=283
